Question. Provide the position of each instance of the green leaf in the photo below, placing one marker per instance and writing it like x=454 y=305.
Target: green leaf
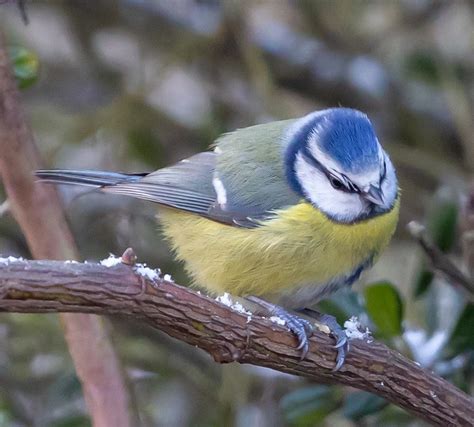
x=25 y=66
x=360 y=403
x=423 y=281
x=462 y=337
x=309 y=406
x=442 y=224
x=385 y=307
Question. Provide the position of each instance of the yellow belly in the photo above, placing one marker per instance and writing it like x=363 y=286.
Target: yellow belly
x=300 y=246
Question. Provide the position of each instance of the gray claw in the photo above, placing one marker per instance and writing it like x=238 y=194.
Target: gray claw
x=342 y=350
x=342 y=342
x=300 y=327
x=340 y=359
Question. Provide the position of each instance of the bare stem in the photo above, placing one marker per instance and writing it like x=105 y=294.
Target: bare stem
x=440 y=262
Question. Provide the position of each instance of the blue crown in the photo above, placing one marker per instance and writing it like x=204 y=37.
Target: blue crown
x=344 y=134
x=349 y=138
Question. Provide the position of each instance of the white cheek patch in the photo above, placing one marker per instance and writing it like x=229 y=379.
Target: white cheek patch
x=336 y=204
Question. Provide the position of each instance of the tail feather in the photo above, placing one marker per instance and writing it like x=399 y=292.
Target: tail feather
x=158 y=187
x=88 y=178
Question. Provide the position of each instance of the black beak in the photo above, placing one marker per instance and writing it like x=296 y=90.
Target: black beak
x=375 y=195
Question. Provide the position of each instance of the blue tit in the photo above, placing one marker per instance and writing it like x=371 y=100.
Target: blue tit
x=288 y=211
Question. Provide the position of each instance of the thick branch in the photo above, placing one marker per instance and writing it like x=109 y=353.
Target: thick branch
x=51 y=286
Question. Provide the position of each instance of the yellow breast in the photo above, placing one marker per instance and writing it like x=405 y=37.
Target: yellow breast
x=300 y=246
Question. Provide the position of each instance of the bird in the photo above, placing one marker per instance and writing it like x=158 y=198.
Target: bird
x=283 y=213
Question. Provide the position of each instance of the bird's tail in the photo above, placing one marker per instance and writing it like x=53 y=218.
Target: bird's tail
x=87 y=178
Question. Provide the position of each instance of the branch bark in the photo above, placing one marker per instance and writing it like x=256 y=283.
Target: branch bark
x=229 y=336
x=38 y=211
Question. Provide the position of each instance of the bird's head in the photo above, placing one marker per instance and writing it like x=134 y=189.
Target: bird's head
x=334 y=160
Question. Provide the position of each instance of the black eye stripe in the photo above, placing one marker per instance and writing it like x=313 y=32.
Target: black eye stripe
x=354 y=188
x=346 y=184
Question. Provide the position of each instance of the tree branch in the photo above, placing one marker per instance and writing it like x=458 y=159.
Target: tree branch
x=38 y=212
x=440 y=262
x=229 y=336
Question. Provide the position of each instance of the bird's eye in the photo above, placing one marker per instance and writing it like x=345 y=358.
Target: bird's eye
x=336 y=183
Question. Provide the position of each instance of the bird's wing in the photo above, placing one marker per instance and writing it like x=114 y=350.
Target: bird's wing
x=187 y=185
x=241 y=183
x=250 y=173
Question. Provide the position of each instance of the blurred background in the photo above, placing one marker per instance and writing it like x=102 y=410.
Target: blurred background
x=134 y=85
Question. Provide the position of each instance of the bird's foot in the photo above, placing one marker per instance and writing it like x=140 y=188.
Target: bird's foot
x=342 y=342
x=300 y=327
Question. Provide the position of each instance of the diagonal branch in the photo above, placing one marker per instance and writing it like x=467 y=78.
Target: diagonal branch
x=229 y=336
x=440 y=262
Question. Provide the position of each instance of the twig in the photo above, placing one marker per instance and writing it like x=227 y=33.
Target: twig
x=229 y=336
x=38 y=211
x=21 y=5
x=440 y=262
x=23 y=13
